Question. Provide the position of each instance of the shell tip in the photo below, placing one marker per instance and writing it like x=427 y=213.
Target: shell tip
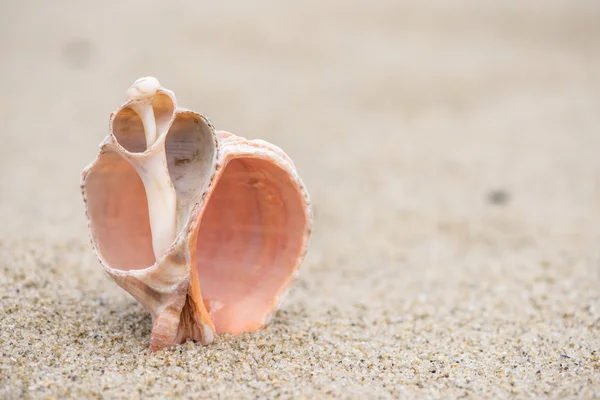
x=143 y=88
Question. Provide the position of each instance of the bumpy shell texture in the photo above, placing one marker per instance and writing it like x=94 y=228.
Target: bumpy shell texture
x=205 y=229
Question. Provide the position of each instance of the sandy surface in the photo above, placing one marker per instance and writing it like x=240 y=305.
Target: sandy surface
x=452 y=154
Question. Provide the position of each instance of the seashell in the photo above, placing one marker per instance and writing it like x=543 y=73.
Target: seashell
x=204 y=228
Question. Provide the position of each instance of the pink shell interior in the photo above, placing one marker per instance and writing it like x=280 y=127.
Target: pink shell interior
x=118 y=214
x=248 y=243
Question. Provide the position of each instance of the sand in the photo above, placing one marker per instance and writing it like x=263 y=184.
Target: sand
x=452 y=154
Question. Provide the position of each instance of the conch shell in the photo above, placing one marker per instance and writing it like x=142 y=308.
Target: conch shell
x=204 y=228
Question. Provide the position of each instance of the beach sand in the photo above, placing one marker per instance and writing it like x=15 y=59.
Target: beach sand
x=452 y=154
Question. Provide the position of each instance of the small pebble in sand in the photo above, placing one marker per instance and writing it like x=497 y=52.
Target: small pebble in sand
x=498 y=197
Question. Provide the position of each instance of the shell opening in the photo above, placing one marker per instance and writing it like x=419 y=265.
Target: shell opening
x=163 y=111
x=190 y=149
x=118 y=213
x=128 y=130
x=249 y=239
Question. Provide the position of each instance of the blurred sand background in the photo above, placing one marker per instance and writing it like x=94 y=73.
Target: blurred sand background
x=452 y=151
